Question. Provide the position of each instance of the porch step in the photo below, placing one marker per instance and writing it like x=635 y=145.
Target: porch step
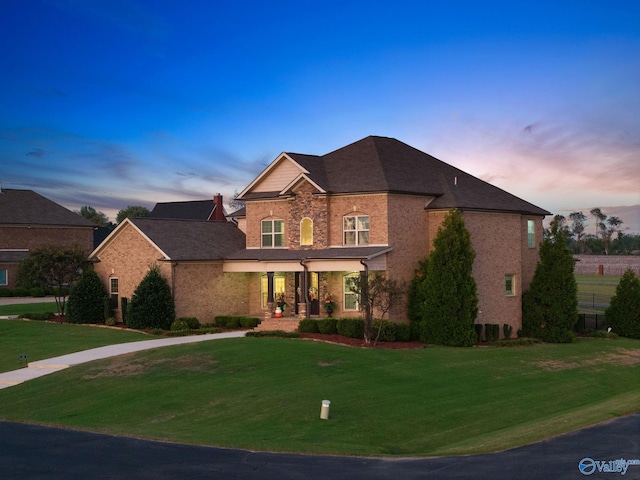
x=287 y=324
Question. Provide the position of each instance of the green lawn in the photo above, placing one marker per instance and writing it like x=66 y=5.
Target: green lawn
x=39 y=340
x=266 y=393
x=21 y=309
x=594 y=290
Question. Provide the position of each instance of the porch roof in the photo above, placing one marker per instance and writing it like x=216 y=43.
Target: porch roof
x=329 y=259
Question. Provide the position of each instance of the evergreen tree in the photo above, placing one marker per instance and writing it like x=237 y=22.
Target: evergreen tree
x=86 y=300
x=151 y=305
x=550 y=306
x=449 y=290
x=415 y=294
x=623 y=314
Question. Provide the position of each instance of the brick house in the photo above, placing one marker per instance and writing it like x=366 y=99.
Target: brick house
x=312 y=222
x=28 y=221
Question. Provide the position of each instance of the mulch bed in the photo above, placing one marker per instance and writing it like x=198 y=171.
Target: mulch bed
x=358 y=342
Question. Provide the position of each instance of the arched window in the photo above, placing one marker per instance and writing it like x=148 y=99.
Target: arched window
x=306 y=231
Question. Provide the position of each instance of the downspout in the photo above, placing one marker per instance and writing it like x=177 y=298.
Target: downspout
x=365 y=285
x=173 y=281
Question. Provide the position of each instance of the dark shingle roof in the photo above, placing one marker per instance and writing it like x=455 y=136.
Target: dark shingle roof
x=26 y=207
x=381 y=164
x=189 y=210
x=192 y=239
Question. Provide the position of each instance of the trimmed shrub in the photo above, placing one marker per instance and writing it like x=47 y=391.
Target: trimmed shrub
x=250 y=322
x=228 y=321
x=38 y=316
x=110 y=321
x=85 y=304
x=403 y=332
x=274 y=333
x=350 y=327
x=5 y=292
x=328 y=326
x=308 y=325
x=36 y=292
x=179 y=324
x=491 y=332
x=151 y=305
x=517 y=342
x=384 y=331
x=20 y=292
x=192 y=322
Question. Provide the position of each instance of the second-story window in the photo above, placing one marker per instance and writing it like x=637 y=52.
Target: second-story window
x=356 y=230
x=306 y=231
x=272 y=233
x=531 y=233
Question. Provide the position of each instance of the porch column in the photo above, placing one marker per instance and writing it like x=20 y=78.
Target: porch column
x=270 y=300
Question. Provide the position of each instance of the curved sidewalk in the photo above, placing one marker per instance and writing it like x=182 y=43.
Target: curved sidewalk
x=41 y=368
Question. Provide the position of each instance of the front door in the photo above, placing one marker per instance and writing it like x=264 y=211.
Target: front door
x=312 y=292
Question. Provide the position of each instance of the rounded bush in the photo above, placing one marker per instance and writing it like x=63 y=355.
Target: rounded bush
x=307 y=325
x=350 y=327
x=5 y=292
x=387 y=330
x=249 y=322
x=85 y=304
x=37 y=292
x=328 y=326
x=403 y=332
x=192 y=322
x=179 y=324
x=20 y=292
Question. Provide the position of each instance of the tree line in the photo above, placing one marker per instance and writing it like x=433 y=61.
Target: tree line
x=604 y=236
x=101 y=219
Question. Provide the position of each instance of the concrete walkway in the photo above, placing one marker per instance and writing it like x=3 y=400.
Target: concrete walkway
x=52 y=365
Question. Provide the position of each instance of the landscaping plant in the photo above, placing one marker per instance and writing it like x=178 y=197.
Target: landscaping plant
x=623 y=314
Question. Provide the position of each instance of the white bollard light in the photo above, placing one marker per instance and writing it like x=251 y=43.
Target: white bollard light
x=324 y=411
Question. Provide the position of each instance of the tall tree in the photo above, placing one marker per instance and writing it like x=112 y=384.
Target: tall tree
x=623 y=314
x=132 y=211
x=90 y=213
x=612 y=226
x=235 y=204
x=449 y=289
x=53 y=266
x=578 y=225
x=600 y=218
x=550 y=306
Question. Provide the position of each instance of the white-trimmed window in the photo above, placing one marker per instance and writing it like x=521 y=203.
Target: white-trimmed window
x=349 y=296
x=356 y=229
x=306 y=231
x=114 y=290
x=509 y=285
x=278 y=288
x=531 y=233
x=4 y=277
x=272 y=233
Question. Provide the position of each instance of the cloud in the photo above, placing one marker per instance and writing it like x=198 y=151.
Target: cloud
x=36 y=152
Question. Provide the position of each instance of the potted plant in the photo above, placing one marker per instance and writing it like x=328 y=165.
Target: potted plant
x=329 y=305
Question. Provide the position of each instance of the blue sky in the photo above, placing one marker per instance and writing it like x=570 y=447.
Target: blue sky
x=112 y=103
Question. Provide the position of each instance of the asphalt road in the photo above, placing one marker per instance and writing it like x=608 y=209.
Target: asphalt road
x=34 y=452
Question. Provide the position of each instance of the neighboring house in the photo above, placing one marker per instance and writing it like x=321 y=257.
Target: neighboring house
x=312 y=222
x=191 y=210
x=28 y=221
x=189 y=254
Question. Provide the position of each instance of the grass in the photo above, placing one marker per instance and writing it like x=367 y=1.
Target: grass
x=266 y=393
x=40 y=340
x=21 y=309
x=595 y=289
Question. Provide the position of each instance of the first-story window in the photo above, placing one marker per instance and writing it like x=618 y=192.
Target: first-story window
x=356 y=230
x=278 y=288
x=509 y=285
x=113 y=292
x=350 y=297
x=4 y=278
x=272 y=233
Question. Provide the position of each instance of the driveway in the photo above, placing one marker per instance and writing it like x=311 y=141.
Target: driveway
x=28 y=451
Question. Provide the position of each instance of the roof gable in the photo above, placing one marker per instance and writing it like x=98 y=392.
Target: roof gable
x=381 y=164
x=273 y=179
x=26 y=207
x=184 y=239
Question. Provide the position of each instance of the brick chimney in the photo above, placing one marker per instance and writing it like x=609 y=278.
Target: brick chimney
x=218 y=212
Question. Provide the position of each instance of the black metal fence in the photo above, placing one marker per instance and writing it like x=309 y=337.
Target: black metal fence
x=590 y=321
